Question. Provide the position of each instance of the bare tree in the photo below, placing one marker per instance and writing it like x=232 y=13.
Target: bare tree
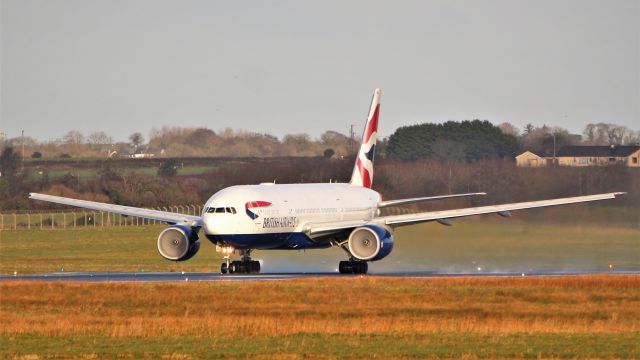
x=100 y=138
x=73 y=137
x=589 y=133
x=509 y=129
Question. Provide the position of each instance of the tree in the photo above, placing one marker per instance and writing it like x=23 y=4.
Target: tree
x=509 y=129
x=136 y=139
x=10 y=169
x=528 y=128
x=333 y=138
x=73 y=137
x=589 y=133
x=609 y=134
x=168 y=168
x=202 y=138
x=9 y=163
x=448 y=150
x=100 y=138
x=475 y=140
x=328 y=153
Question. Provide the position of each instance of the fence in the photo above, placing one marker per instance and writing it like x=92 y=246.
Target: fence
x=58 y=219
x=18 y=220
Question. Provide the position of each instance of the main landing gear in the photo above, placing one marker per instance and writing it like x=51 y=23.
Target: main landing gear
x=353 y=267
x=244 y=266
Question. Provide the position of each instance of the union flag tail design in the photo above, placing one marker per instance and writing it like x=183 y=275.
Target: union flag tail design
x=363 y=170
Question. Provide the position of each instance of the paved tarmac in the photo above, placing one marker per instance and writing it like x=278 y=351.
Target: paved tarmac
x=206 y=276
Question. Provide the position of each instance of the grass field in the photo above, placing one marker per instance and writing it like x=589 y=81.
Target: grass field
x=330 y=318
x=359 y=317
x=468 y=246
x=89 y=173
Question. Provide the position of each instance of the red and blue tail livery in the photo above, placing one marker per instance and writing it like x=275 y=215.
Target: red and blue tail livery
x=363 y=170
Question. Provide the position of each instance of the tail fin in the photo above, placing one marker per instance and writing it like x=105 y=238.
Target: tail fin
x=363 y=170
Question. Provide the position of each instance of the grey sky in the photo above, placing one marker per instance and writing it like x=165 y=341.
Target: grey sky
x=309 y=66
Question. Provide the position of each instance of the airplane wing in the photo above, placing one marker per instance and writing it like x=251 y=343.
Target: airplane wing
x=503 y=209
x=408 y=219
x=165 y=216
x=382 y=204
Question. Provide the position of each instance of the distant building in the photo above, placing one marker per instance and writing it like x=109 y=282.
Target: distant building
x=141 y=155
x=530 y=159
x=628 y=155
x=576 y=155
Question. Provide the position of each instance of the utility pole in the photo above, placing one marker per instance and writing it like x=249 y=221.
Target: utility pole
x=22 y=139
x=351 y=140
x=554 y=147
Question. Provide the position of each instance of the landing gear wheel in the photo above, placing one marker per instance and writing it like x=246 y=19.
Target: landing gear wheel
x=345 y=267
x=361 y=267
x=254 y=266
x=353 y=267
x=243 y=266
x=235 y=267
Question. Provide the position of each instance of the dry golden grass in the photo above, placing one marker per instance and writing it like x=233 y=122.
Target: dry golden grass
x=349 y=306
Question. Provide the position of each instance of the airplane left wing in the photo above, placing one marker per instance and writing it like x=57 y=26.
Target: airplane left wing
x=164 y=216
x=503 y=209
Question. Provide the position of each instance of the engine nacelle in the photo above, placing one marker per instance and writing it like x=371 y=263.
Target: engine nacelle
x=178 y=243
x=370 y=243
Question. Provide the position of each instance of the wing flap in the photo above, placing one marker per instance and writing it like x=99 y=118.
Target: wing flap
x=164 y=216
x=426 y=198
x=503 y=209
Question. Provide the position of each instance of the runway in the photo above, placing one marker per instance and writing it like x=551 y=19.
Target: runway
x=210 y=276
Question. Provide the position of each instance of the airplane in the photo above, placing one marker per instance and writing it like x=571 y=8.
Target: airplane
x=243 y=218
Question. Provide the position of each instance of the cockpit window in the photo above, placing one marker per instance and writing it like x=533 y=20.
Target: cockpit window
x=218 y=210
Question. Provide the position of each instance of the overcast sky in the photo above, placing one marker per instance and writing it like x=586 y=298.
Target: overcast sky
x=309 y=66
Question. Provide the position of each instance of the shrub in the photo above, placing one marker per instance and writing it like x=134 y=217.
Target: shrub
x=168 y=168
x=329 y=153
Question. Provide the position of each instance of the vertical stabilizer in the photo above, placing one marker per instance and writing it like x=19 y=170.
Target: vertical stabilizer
x=363 y=170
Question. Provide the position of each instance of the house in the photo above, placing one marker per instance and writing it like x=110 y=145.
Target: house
x=530 y=159
x=629 y=155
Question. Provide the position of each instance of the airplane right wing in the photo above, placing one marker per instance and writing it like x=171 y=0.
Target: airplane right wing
x=382 y=204
x=503 y=209
x=319 y=229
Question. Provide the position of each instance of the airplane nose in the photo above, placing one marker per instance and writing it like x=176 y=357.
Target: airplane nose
x=208 y=224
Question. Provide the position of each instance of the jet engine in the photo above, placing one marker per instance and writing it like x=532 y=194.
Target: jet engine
x=370 y=243
x=178 y=243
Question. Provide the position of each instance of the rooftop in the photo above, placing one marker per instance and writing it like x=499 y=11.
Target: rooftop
x=598 y=151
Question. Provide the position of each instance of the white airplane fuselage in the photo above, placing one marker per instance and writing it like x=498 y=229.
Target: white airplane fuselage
x=273 y=216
